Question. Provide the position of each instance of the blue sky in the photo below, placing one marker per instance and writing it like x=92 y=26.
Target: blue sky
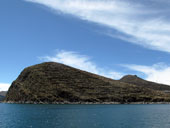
x=107 y=37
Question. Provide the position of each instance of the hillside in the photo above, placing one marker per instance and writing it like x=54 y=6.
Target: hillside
x=133 y=79
x=57 y=83
x=2 y=95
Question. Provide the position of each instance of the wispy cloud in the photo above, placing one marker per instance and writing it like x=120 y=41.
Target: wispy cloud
x=157 y=73
x=81 y=62
x=4 y=86
x=144 y=23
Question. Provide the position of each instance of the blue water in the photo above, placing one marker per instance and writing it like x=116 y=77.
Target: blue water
x=84 y=116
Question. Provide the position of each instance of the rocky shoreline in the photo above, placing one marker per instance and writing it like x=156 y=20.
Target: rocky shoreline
x=83 y=103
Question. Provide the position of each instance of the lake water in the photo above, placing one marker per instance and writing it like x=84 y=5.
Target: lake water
x=84 y=116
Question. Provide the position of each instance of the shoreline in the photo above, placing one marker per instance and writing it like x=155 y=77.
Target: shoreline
x=82 y=103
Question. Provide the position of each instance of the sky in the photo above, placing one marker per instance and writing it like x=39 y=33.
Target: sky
x=111 y=38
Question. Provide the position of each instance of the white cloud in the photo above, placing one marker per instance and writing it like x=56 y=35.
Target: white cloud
x=159 y=73
x=144 y=23
x=81 y=62
x=4 y=86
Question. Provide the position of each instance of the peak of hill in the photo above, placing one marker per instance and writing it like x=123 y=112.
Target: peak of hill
x=130 y=77
x=57 y=83
x=133 y=79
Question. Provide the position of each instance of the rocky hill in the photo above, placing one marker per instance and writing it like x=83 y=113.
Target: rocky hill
x=57 y=83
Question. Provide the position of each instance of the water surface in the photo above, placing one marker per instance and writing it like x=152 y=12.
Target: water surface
x=84 y=116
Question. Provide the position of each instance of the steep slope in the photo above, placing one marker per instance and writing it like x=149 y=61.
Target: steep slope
x=57 y=83
x=133 y=79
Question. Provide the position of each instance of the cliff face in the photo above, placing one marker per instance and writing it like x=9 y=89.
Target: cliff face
x=56 y=83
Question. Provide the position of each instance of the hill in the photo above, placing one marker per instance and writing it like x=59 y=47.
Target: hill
x=133 y=79
x=2 y=95
x=57 y=83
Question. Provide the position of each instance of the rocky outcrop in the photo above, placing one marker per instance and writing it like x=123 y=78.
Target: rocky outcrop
x=57 y=83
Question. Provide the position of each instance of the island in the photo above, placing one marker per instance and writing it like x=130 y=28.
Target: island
x=55 y=83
